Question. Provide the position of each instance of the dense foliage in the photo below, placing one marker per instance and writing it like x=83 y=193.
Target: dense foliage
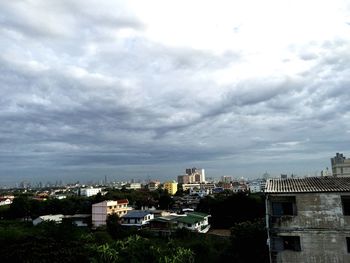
x=49 y=242
x=227 y=209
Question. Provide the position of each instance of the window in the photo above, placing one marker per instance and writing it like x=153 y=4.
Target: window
x=281 y=243
x=283 y=206
x=348 y=244
x=345 y=200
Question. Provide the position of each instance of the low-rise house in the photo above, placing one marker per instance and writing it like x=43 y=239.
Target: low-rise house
x=308 y=219
x=5 y=201
x=77 y=219
x=81 y=220
x=55 y=218
x=193 y=221
x=137 y=218
x=100 y=211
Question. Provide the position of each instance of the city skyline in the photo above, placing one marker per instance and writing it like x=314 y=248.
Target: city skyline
x=137 y=89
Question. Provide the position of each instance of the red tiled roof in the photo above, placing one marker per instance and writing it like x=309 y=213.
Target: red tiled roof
x=308 y=185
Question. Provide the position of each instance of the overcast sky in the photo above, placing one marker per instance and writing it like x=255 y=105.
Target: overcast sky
x=144 y=89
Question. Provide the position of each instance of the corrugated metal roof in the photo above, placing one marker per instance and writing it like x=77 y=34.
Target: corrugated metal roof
x=308 y=185
x=136 y=214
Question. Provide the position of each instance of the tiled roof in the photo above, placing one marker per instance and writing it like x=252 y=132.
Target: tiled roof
x=136 y=214
x=308 y=185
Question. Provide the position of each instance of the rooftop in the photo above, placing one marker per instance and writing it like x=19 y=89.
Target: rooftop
x=308 y=185
x=136 y=214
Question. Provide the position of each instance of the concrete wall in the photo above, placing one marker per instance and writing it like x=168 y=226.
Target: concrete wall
x=320 y=224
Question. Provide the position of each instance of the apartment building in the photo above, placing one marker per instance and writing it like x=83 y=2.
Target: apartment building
x=308 y=219
x=171 y=187
x=100 y=211
x=340 y=165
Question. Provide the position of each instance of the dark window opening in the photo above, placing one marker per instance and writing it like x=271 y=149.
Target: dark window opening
x=284 y=206
x=291 y=243
x=286 y=243
x=346 y=205
x=348 y=244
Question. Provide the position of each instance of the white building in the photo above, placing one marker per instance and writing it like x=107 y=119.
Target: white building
x=5 y=201
x=90 y=191
x=138 y=218
x=100 y=211
x=133 y=186
x=55 y=218
x=255 y=187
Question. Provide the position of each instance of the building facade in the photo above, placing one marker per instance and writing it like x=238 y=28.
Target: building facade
x=308 y=219
x=171 y=187
x=137 y=218
x=90 y=191
x=102 y=210
x=340 y=165
x=193 y=221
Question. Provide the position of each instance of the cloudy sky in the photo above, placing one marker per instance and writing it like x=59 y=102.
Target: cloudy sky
x=144 y=89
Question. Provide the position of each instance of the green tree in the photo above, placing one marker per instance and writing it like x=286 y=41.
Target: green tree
x=248 y=240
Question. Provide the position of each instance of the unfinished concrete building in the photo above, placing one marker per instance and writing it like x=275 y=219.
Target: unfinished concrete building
x=308 y=219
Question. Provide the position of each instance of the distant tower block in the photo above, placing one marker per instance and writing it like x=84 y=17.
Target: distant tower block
x=340 y=165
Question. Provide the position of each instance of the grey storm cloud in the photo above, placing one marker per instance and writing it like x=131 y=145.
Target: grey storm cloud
x=78 y=95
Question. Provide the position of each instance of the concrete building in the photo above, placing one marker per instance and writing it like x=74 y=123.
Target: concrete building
x=133 y=186
x=90 y=191
x=197 y=175
x=308 y=219
x=153 y=185
x=171 y=187
x=340 y=165
x=100 y=211
x=226 y=179
x=184 y=179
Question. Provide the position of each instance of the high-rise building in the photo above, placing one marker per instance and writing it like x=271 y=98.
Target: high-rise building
x=171 y=187
x=196 y=175
x=340 y=165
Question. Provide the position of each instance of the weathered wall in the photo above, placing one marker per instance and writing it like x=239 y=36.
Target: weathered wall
x=316 y=210
x=318 y=247
x=322 y=228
